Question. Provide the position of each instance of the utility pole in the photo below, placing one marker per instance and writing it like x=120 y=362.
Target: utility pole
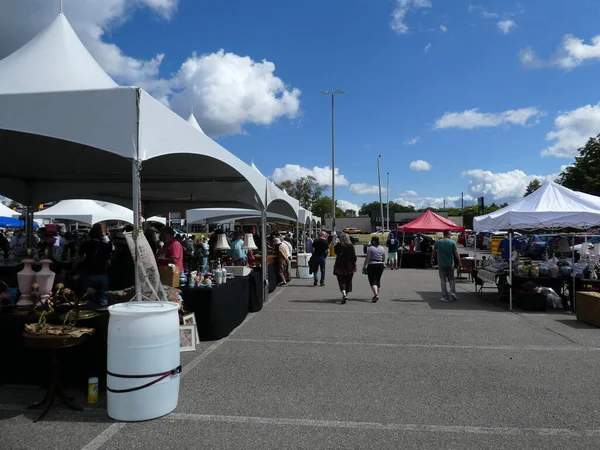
x=380 y=198
x=333 y=93
x=387 y=192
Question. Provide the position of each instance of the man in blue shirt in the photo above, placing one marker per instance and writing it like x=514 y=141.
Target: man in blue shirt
x=393 y=244
x=447 y=251
x=504 y=246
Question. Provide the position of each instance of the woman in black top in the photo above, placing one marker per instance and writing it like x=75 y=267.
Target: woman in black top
x=345 y=265
x=95 y=255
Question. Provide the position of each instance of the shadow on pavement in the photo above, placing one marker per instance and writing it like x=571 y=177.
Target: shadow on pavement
x=573 y=323
x=466 y=301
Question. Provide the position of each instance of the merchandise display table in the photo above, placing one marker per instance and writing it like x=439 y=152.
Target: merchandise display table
x=588 y=307
x=255 y=301
x=53 y=346
x=220 y=309
x=414 y=260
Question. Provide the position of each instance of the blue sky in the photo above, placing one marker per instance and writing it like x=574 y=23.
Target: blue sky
x=468 y=90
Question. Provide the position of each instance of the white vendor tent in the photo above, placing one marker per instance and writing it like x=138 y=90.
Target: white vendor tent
x=126 y=214
x=86 y=211
x=219 y=214
x=193 y=122
x=551 y=207
x=5 y=211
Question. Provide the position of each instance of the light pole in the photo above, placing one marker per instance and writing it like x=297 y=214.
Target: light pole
x=380 y=199
x=333 y=94
x=387 y=193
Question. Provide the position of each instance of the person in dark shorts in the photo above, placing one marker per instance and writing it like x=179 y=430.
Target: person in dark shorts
x=375 y=263
x=345 y=265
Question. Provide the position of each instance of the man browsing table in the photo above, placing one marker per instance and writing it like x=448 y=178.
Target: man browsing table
x=447 y=251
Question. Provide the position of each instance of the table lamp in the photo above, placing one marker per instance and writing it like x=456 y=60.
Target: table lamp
x=222 y=243
x=249 y=242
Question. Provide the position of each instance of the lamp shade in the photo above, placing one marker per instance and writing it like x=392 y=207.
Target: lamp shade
x=249 y=242
x=222 y=243
x=564 y=247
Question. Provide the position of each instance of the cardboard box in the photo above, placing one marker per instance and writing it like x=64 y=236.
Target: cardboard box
x=587 y=307
x=169 y=275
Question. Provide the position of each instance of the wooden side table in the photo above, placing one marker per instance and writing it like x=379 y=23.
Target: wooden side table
x=52 y=344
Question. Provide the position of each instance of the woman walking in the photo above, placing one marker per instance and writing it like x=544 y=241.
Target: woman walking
x=374 y=263
x=345 y=265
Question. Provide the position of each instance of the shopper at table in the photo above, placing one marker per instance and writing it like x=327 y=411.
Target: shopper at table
x=320 y=251
x=375 y=263
x=282 y=261
x=447 y=253
x=345 y=265
x=94 y=258
x=172 y=251
x=505 y=246
x=237 y=253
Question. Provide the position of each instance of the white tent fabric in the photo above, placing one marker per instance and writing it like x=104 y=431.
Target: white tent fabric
x=60 y=115
x=126 y=214
x=5 y=211
x=305 y=217
x=59 y=54
x=219 y=214
x=550 y=207
x=277 y=200
x=193 y=122
x=86 y=211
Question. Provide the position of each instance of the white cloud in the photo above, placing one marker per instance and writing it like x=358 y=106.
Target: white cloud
x=472 y=118
x=227 y=90
x=571 y=53
x=427 y=48
x=420 y=166
x=402 y=8
x=443 y=28
x=294 y=172
x=365 y=189
x=484 y=12
x=501 y=186
x=411 y=197
x=506 y=26
x=346 y=205
x=571 y=131
x=412 y=141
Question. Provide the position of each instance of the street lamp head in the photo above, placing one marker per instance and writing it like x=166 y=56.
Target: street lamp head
x=339 y=91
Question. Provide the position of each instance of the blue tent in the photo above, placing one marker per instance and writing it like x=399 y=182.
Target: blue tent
x=9 y=222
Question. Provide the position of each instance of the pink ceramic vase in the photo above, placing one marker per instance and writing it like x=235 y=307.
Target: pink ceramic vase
x=25 y=278
x=45 y=277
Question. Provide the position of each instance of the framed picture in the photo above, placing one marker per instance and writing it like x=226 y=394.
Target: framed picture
x=187 y=338
x=190 y=319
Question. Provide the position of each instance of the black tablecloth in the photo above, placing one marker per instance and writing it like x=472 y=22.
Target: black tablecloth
x=22 y=366
x=414 y=260
x=220 y=309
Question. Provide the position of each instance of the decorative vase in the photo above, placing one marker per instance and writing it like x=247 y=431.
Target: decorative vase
x=25 y=278
x=45 y=277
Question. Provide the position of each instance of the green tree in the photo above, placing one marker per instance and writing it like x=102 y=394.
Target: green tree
x=533 y=186
x=306 y=190
x=584 y=174
x=323 y=207
x=373 y=209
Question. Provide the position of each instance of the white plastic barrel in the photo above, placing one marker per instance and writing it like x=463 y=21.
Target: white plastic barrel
x=303 y=259
x=143 y=339
x=303 y=272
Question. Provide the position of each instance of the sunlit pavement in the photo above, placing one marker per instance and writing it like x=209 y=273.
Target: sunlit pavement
x=406 y=372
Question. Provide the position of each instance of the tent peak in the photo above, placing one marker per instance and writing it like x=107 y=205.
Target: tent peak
x=54 y=60
x=193 y=122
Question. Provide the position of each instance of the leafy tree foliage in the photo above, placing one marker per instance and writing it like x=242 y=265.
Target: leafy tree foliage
x=584 y=174
x=533 y=186
x=306 y=190
x=323 y=207
x=373 y=209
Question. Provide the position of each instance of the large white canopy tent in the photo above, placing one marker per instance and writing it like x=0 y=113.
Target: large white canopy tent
x=79 y=210
x=57 y=102
x=220 y=214
x=551 y=207
x=127 y=214
x=5 y=211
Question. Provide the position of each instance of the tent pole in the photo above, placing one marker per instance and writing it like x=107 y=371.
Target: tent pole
x=510 y=268
x=263 y=246
x=137 y=202
x=297 y=246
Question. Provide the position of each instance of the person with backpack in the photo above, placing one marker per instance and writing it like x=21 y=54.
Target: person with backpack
x=393 y=245
x=345 y=265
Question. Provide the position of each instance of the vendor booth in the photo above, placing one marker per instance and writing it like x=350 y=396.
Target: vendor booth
x=69 y=131
x=428 y=222
x=553 y=208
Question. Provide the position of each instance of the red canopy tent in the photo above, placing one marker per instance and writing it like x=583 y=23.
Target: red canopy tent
x=429 y=222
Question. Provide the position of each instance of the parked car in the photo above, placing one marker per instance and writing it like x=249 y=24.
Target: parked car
x=590 y=242
x=534 y=245
x=553 y=243
x=354 y=239
x=471 y=238
x=487 y=240
x=352 y=230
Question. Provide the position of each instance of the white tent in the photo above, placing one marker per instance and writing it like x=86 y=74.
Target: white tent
x=219 y=214
x=193 y=122
x=86 y=211
x=126 y=214
x=5 y=211
x=551 y=207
